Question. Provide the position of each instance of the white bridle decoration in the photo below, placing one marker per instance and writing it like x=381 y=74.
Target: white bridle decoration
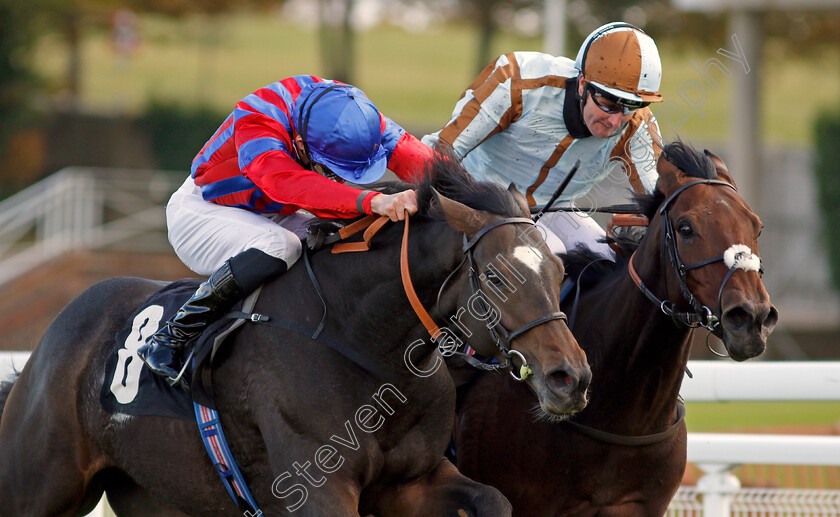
x=741 y=256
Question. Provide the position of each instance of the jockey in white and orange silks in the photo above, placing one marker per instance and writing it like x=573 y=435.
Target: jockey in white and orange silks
x=530 y=116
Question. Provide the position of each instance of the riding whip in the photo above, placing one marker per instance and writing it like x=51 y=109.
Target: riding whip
x=559 y=191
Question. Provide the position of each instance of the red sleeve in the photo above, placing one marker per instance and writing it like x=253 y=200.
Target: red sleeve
x=409 y=158
x=280 y=177
x=283 y=180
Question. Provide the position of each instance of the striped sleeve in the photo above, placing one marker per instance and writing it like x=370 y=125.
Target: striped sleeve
x=637 y=151
x=263 y=138
x=488 y=106
x=408 y=161
x=284 y=181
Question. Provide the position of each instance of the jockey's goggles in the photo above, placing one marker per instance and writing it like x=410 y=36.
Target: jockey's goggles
x=325 y=171
x=609 y=103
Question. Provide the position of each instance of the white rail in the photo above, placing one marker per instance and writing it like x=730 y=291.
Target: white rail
x=725 y=381
x=718 y=493
x=82 y=208
x=763 y=449
x=10 y=362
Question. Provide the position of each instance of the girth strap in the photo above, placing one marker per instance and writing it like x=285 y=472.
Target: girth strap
x=216 y=444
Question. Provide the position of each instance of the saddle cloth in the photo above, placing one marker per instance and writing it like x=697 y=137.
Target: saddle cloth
x=129 y=386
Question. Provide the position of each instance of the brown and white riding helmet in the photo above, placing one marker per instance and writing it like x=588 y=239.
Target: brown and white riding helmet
x=623 y=61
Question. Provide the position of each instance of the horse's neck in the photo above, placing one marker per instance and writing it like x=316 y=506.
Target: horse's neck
x=638 y=357
x=375 y=312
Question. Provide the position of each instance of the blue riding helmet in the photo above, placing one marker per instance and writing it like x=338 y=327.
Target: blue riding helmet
x=342 y=130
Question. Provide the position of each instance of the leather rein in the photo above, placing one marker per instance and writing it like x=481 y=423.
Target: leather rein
x=502 y=337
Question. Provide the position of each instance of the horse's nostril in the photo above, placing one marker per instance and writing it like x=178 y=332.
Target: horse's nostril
x=745 y=318
x=770 y=319
x=559 y=380
x=737 y=318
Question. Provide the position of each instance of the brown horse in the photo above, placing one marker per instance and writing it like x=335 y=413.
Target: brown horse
x=313 y=431
x=625 y=454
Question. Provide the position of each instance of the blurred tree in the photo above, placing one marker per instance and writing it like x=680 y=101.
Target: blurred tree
x=827 y=137
x=184 y=7
x=18 y=23
x=486 y=13
x=72 y=17
x=798 y=31
x=337 y=38
x=16 y=38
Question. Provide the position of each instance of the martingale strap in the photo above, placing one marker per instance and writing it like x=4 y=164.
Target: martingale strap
x=632 y=441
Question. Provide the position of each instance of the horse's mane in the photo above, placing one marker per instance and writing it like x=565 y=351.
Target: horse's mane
x=445 y=174
x=6 y=388
x=684 y=157
x=596 y=267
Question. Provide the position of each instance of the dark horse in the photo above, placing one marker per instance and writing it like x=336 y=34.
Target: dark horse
x=284 y=397
x=630 y=457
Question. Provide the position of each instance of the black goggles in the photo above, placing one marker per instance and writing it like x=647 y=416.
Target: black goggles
x=323 y=170
x=611 y=104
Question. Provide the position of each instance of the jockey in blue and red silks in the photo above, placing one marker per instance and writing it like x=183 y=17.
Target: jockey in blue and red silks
x=286 y=147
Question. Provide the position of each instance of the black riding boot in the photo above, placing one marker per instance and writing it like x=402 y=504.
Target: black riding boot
x=163 y=352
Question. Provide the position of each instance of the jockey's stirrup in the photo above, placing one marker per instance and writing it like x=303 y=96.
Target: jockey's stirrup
x=164 y=351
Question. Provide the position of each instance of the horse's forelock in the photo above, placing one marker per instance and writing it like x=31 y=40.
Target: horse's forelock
x=689 y=160
x=447 y=176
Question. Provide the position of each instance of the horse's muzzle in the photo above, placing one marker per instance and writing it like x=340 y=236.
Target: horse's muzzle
x=746 y=327
x=566 y=389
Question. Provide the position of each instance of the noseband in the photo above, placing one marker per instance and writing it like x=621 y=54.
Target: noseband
x=501 y=336
x=702 y=316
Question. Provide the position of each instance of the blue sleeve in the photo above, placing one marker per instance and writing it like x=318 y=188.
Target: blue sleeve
x=391 y=134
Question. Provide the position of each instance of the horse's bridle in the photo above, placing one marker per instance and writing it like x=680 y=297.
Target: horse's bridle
x=702 y=316
x=501 y=336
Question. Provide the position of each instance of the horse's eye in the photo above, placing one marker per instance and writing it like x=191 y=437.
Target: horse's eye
x=493 y=278
x=760 y=230
x=685 y=230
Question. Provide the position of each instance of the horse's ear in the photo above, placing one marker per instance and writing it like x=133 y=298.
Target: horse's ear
x=520 y=199
x=670 y=176
x=720 y=167
x=458 y=215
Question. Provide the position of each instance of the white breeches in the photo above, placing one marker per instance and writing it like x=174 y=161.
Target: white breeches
x=565 y=230
x=204 y=235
